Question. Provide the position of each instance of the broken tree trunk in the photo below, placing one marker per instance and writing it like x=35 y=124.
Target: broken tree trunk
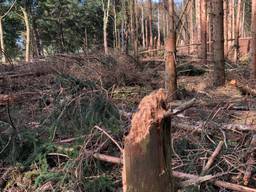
x=147 y=151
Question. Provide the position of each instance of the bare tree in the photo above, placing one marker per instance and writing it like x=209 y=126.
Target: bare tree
x=218 y=43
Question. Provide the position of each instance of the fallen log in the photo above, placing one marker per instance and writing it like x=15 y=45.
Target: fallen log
x=22 y=75
x=196 y=178
x=198 y=126
x=17 y=98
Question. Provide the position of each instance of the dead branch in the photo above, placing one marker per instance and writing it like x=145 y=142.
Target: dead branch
x=212 y=158
x=180 y=108
x=251 y=161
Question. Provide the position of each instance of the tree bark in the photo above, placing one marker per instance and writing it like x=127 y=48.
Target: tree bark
x=158 y=27
x=150 y=24
x=191 y=25
x=143 y=27
x=170 y=53
x=147 y=148
x=218 y=43
x=226 y=27
x=203 y=31
x=198 y=20
x=2 y=50
x=26 y=20
x=105 y=24
x=237 y=30
x=253 y=41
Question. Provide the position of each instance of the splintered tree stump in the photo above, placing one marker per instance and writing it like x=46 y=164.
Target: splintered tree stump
x=147 y=148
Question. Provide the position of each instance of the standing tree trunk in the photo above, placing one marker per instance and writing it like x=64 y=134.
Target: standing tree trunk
x=218 y=43
x=158 y=27
x=105 y=24
x=26 y=20
x=237 y=31
x=115 y=44
x=170 y=54
x=203 y=23
x=191 y=25
x=142 y=27
x=198 y=20
x=210 y=28
x=226 y=22
x=147 y=148
x=230 y=26
x=2 y=50
x=133 y=27
x=150 y=24
x=253 y=42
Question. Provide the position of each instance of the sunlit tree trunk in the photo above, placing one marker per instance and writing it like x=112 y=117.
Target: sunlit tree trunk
x=2 y=50
x=218 y=43
x=105 y=24
x=170 y=53
x=26 y=20
x=253 y=41
x=237 y=30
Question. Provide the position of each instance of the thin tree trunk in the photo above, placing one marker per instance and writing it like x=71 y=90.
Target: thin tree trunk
x=2 y=50
x=198 y=20
x=146 y=32
x=237 y=31
x=210 y=29
x=142 y=27
x=230 y=25
x=253 y=41
x=158 y=27
x=191 y=24
x=203 y=23
x=115 y=26
x=37 y=40
x=150 y=24
x=170 y=53
x=25 y=17
x=105 y=24
x=218 y=43
x=226 y=27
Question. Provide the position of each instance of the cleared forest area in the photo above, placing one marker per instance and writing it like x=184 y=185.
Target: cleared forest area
x=129 y=96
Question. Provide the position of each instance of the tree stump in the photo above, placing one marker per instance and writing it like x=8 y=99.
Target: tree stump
x=147 y=148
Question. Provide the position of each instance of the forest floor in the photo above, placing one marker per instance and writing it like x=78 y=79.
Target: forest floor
x=58 y=114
